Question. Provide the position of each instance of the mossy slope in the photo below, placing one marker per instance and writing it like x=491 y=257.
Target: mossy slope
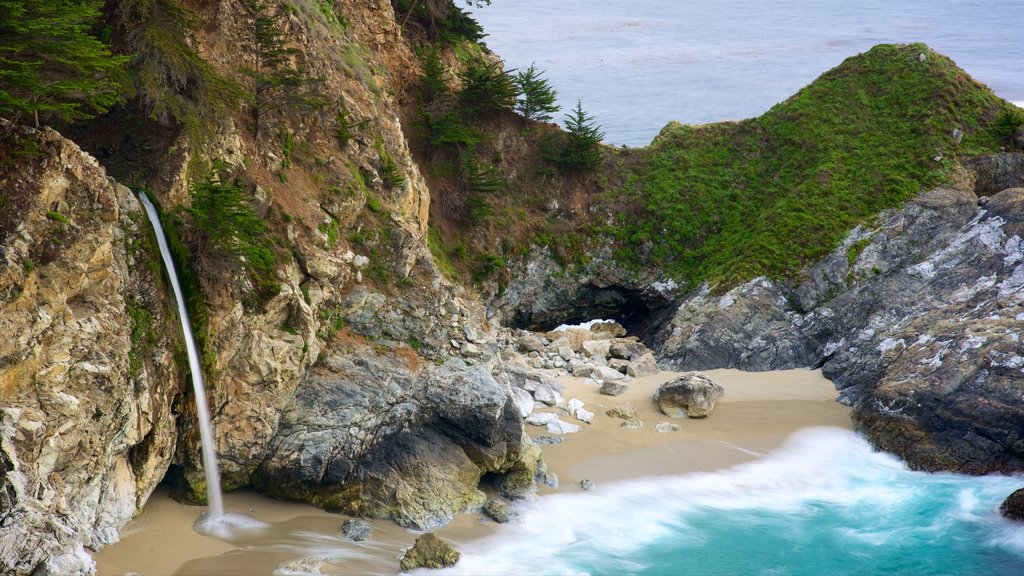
x=730 y=201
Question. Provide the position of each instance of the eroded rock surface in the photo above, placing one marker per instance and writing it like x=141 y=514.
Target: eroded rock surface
x=688 y=396
x=917 y=319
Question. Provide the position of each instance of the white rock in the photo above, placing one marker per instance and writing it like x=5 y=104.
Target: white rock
x=547 y=394
x=523 y=400
x=605 y=373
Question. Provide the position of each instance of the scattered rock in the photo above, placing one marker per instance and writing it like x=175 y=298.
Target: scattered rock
x=608 y=330
x=576 y=409
x=666 y=427
x=546 y=477
x=552 y=423
x=1013 y=506
x=530 y=342
x=613 y=388
x=470 y=350
x=429 y=551
x=549 y=439
x=356 y=529
x=624 y=411
x=618 y=364
x=691 y=395
x=497 y=510
x=596 y=347
x=632 y=423
x=645 y=365
x=523 y=401
x=547 y=394
x=605 y=373
x=587 y=484
x=626 y=349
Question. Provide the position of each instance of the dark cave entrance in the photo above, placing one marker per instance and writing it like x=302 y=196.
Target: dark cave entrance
x=629 y=307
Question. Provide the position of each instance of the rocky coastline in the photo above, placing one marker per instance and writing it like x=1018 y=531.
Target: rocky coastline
x=368 y=378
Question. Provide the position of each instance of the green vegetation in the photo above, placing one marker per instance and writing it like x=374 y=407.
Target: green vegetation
x=172 y=81
x=580 y=148
x=51 y=66
x=228 y=232
x=57 y=217
x=486 y=88
x=536 y=97
x=730 y=201
x=143 y=336
x=277 y=83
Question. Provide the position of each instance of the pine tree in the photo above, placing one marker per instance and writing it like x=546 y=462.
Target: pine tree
x=51 y=66
x=582 y=148
x=172 y=81
x=277 y=82
x=537 y=97
x=486 y=88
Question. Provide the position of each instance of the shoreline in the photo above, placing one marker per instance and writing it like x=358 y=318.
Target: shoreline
x=758 y=411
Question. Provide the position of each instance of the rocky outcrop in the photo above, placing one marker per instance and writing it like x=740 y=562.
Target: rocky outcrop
x=429 y=551
x=382 y=433
x=916 y=319
x=1013 y=506
x=688 y=396
x=88 y=373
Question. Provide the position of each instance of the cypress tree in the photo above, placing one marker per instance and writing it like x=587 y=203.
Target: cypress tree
x=537 y=99
x=49 y=63
x=582 y=147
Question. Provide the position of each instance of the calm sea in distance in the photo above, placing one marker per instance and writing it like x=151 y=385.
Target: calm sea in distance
x=637 y=64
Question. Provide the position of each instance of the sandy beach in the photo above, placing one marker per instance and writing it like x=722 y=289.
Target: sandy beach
x=756 y=414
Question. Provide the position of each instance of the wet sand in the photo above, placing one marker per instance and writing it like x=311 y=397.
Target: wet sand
x=756 y=414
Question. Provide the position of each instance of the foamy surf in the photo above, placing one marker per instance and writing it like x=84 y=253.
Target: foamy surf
x=823 y=503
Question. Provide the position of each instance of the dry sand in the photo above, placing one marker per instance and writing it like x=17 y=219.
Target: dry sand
x=757 y=412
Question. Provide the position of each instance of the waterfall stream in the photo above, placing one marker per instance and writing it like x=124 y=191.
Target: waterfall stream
x=213 y=494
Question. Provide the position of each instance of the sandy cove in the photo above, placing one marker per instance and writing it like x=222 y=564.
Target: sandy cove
x=755 y=415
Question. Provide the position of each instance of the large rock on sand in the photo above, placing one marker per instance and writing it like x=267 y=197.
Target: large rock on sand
x=690 y=395
x=429 y=551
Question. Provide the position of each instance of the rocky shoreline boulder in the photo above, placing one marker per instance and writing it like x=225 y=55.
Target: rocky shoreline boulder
x=688 y=396
x=429 y=551
x=1013 y=507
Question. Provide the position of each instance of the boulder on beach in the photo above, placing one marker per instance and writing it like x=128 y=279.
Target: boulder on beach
x=645 y=365
x=1013 y=507
x=497 y=510
x=429 y=551
x=691 y=395
x=613 y=388
x=356 y=529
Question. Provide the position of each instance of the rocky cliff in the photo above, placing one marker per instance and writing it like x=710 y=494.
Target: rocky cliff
x=916 y=318
x=88 y=363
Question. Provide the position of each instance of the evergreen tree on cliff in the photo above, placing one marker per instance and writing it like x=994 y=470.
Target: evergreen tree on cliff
x=537 y=97
x=49 y=63
x=582 y=146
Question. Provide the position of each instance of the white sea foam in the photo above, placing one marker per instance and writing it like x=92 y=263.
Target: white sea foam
x=817 y=469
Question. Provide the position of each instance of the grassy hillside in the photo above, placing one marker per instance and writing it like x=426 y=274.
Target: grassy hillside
x=729 y=201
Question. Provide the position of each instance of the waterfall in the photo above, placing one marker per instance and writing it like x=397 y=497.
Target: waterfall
x=205 y=426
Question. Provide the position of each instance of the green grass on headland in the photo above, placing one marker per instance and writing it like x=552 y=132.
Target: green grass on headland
x=729 y=201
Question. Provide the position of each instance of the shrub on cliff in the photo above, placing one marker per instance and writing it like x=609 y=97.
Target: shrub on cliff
x=487 y=88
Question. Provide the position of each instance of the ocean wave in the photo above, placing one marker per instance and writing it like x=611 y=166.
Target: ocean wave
x=825 y=491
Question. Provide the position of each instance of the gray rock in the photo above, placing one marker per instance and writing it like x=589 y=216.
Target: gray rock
x=626 y=349
x=580 y=370
x=596 y=347
x=470 y=350
x=619 y=365
x=994 y=173
x=523 y=401
x=356 y=529
x=547 y=394
x=690 y=395
x=645 y=365
x=608 y=330
x=613 y=388
x=921 y=334
x=565 y=352
x=530 y=342
x=549 y=439
x=587 y=484
x=606 y=373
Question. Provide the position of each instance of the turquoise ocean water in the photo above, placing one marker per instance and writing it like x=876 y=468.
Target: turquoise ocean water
x=823 y=504
x=637 y=64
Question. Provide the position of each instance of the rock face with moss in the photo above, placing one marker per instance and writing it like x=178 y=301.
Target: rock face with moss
x=87 y=365
x=916 y=318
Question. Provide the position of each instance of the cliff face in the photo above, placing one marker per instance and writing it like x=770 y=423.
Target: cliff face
x=916 y=318
x=87 y=362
